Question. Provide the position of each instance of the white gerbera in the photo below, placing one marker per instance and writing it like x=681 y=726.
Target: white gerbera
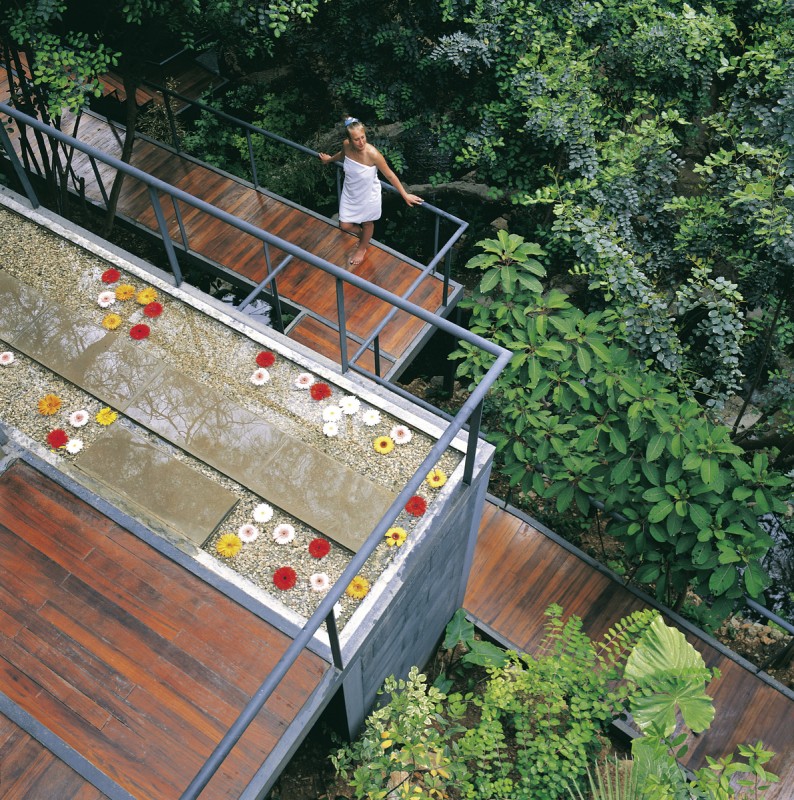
x=401 y=434
x=332 y=414
x=260 y=377
x=284 y=533
x=304 y=380
x=349 y=404
x=78 y=418
x=248 y=532
x=6 y=358
x=106 y=299
x=331 y=429
x=319 y=582
x=371 y=417
x=263 y=513
x=74 y=446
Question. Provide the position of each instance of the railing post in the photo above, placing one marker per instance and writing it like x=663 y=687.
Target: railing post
x=251 y=161
x=436 y=235
x=471 y=446
x=19 y=171
x=447 y=273
x=274 y=292
x=376 y=349
x=333 y=640
x=340 y=310
x=167 y=243
x=182 y=231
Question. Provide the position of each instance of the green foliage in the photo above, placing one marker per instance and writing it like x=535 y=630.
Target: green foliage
x=575 y=416
x=614 y=780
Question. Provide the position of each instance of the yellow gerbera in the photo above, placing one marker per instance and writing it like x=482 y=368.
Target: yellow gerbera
x=396 y=536
x=111 y=321
x=49 y=404
x=106 y=416
x=383 y=444
x=436 y=478
x=125 y=291
x=229 y=545
x=146 y=296
x=358 y=588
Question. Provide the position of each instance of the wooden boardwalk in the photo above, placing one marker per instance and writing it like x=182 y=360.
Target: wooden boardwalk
x=518 y=572
x=305 y=287
x=127 y=657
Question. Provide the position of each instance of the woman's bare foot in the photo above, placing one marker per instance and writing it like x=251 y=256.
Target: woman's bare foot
x=358 y=256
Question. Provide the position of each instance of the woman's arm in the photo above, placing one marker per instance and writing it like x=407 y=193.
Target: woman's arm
x=391 y=177
x=326 y=159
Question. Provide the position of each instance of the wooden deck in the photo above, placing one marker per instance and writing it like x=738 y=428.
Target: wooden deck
x=131 y=660
x=518 y=572
x=309 y=289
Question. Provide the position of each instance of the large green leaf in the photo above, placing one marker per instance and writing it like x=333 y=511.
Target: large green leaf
x=672 y=675
x=459 y=629
x=655 y=447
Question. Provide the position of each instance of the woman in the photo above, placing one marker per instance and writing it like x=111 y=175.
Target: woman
x=360 y=204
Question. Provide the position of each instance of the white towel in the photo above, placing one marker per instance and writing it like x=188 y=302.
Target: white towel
x=361 y=196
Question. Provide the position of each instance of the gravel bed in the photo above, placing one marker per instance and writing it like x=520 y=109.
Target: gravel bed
x=211 y=352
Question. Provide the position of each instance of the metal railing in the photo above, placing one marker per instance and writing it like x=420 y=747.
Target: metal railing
x=440 y=251
x=470 y=412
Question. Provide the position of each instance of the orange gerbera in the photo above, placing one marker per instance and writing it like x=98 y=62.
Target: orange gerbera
x=146 y=296
x=125 y=291
x=49 y=404
x=111 y=322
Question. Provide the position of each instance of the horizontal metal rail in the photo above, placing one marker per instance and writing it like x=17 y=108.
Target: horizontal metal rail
x=471 y=410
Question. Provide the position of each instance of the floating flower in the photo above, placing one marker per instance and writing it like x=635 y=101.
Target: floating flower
x=319 y=582
x=284 y=578
x=74 y=446
x=248 y=532
x=106 y=416
x=229 y=545
x=371 y=417
x=396 y=536
x=110 y=275
x=383 y=445
x=332 y=413
x=49 y=405
x=319 y=548
x=319 y=391
x=358 y=588
x=304 y=380
x=265 y=359
x=78 y=418
x=139 y=331
x=401 y=434
x=57 y=438
x=125 y=292
x=153 y=310
x=349 y=404
x=284 y=533
x=106 y=299
x=260 y=377
x=6 y=358
x=436 y=478
x=416 y=506
x=331 y=429
x=111 y=322
x=146 y=296
x=263 y=513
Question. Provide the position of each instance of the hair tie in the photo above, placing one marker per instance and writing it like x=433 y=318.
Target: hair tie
x=349 y=121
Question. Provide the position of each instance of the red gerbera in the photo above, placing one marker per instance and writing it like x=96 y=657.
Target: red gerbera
x=416 y=506
x=139 y=331
x=319 y=391
x=265 y=359
x=57 y=438
x=318 y=548
x=153 y=309
x=284 y=578
x=110 y=275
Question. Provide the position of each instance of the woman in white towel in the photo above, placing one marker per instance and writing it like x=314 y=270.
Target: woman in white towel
x=360 y=204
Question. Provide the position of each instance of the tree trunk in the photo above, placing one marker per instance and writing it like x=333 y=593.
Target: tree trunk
x=130 y=88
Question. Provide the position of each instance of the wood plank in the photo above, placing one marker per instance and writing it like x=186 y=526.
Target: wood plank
x=517 y=572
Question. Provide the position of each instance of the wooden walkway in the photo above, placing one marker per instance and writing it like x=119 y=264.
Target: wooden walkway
x=518 y=572
x=131 y=660
x=305 y=287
